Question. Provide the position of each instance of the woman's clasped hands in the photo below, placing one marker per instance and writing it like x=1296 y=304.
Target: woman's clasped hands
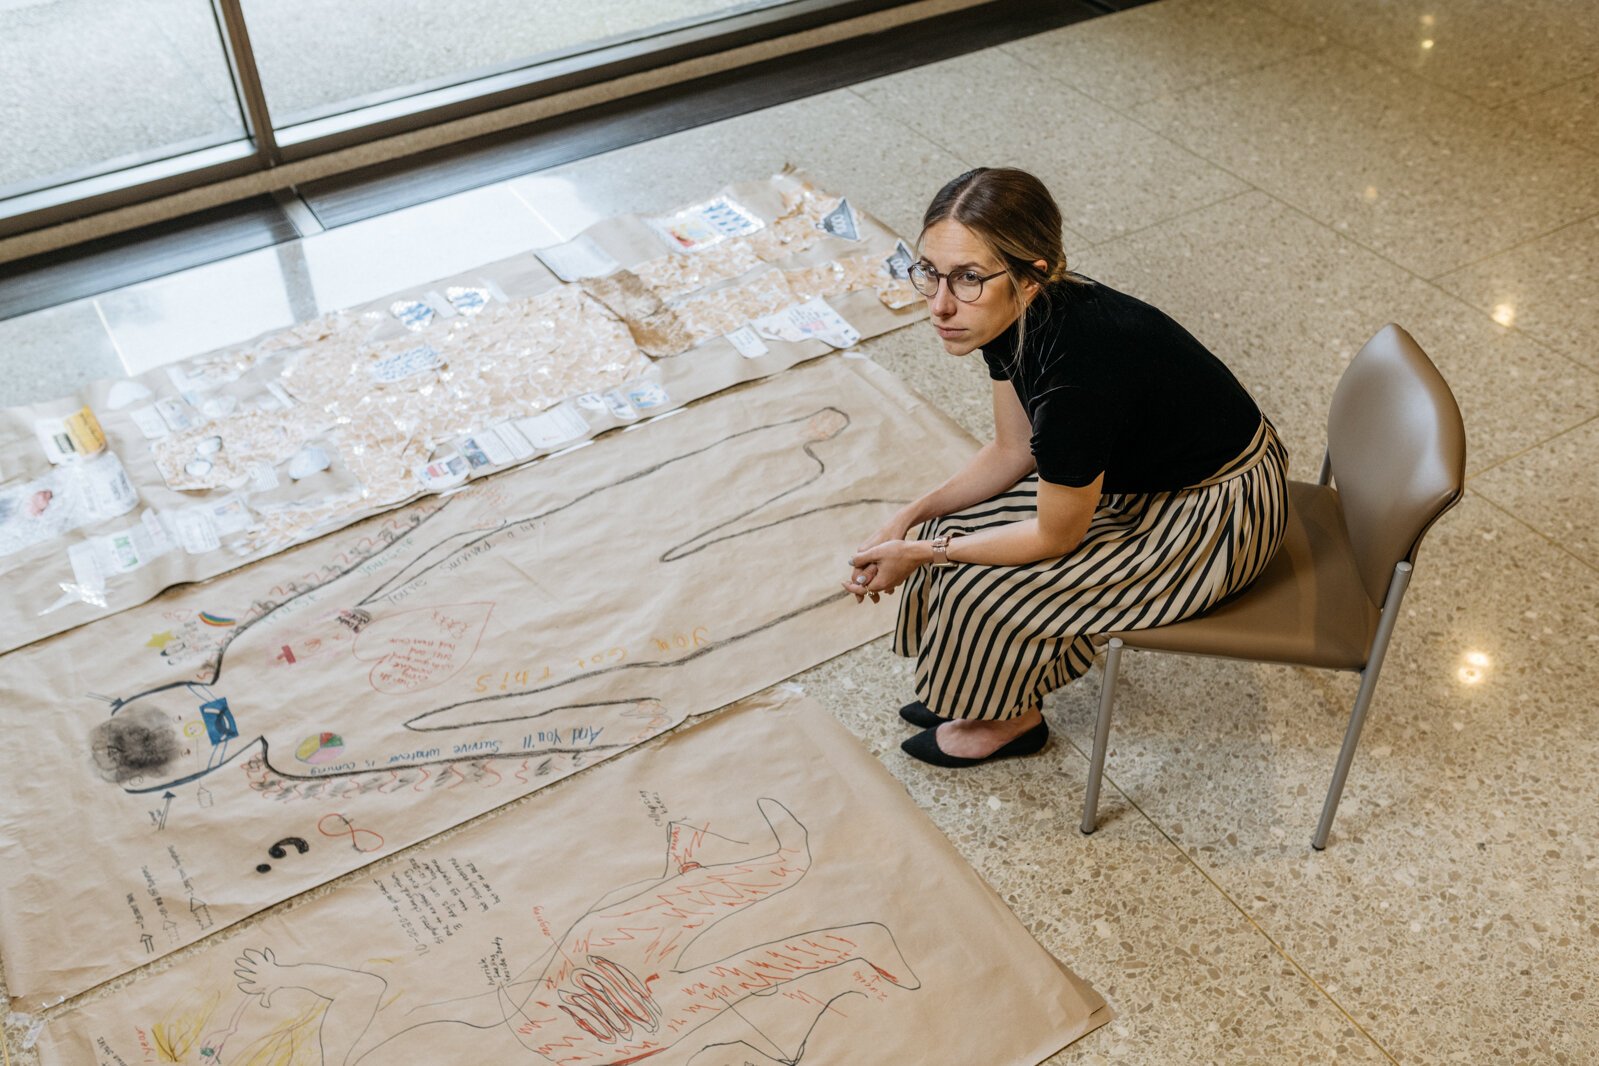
x=882 y=562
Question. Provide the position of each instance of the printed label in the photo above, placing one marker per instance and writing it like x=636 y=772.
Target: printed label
x=841 y=222
x=899 y=264
x=467 y=300
x=414 y=315
x=409 y=363
x=71 y=437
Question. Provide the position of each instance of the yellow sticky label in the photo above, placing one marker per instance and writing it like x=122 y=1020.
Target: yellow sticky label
x=84 y=430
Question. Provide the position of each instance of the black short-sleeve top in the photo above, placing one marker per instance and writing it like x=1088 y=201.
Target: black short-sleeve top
x=1113 y=385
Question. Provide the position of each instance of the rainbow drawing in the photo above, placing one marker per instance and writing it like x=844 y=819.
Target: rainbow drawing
x=215 y=619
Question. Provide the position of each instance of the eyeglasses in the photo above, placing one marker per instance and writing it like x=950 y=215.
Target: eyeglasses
x=965 y=285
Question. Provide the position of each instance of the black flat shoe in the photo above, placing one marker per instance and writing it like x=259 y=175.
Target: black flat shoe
x=924 y=746
x=918 y=715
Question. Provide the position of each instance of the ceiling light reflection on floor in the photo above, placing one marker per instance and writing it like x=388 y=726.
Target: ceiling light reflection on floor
x=1474 y=668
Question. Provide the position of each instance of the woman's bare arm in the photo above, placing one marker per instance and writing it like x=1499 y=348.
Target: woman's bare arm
x=1064 y=511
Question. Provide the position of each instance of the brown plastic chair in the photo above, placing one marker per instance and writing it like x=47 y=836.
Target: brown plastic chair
x=1395 y=462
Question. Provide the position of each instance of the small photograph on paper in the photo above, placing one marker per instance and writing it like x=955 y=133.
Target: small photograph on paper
x=707 y=224
x=445 y=472
x=485 y=448
x=646 y=395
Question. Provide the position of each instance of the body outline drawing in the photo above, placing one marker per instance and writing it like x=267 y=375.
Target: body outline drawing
x=823 y=423
x=618 y=1003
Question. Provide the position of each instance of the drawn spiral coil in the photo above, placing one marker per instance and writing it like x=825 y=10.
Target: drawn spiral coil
x=612 y=999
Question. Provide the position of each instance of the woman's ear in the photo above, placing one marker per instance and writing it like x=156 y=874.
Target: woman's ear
x=1030 y=288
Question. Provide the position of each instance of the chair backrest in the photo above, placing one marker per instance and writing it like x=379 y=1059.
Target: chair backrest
x=1397 y=446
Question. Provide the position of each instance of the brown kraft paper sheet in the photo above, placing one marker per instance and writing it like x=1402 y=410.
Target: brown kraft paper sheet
x=347 y=698
x=752 y=890
x=304 y=430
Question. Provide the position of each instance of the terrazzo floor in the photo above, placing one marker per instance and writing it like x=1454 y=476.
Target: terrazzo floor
x=1284 y=177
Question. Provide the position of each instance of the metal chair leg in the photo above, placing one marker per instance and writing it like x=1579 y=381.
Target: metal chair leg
x=1096 y=764
x=1357 y=717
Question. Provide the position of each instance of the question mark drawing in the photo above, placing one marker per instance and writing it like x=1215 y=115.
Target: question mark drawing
x=278 y=851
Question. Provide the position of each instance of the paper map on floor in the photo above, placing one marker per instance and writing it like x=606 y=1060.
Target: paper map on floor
x=182 y=765
x=756 y=889
x=307 y=429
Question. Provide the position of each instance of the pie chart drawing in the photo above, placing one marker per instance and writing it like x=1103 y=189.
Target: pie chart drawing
x=320 y=748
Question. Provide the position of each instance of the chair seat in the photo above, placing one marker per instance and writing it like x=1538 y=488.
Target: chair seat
x=1308 y=608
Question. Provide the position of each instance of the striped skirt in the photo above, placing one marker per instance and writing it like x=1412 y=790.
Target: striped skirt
x=990 y=641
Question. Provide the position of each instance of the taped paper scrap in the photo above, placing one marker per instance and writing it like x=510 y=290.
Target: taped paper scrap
x=812 y=320
x=123 y=552
x=72 y=437
x=64 y=499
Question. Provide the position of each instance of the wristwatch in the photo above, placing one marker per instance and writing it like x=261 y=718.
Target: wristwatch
x=941 y=551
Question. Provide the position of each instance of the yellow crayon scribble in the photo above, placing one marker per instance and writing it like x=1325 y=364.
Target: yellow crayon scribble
x=176 y=1034
x=294 y=1043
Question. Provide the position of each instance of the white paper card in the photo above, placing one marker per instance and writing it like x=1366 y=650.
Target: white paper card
x=520 y=447
x=814 y=319
x=178 y=415
x=578 y=259
x=553 y=428
x=196 y=532
x=748 y=343
x=150 y=422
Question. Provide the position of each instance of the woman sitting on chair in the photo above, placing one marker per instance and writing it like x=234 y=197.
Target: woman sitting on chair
x=1131 y=481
